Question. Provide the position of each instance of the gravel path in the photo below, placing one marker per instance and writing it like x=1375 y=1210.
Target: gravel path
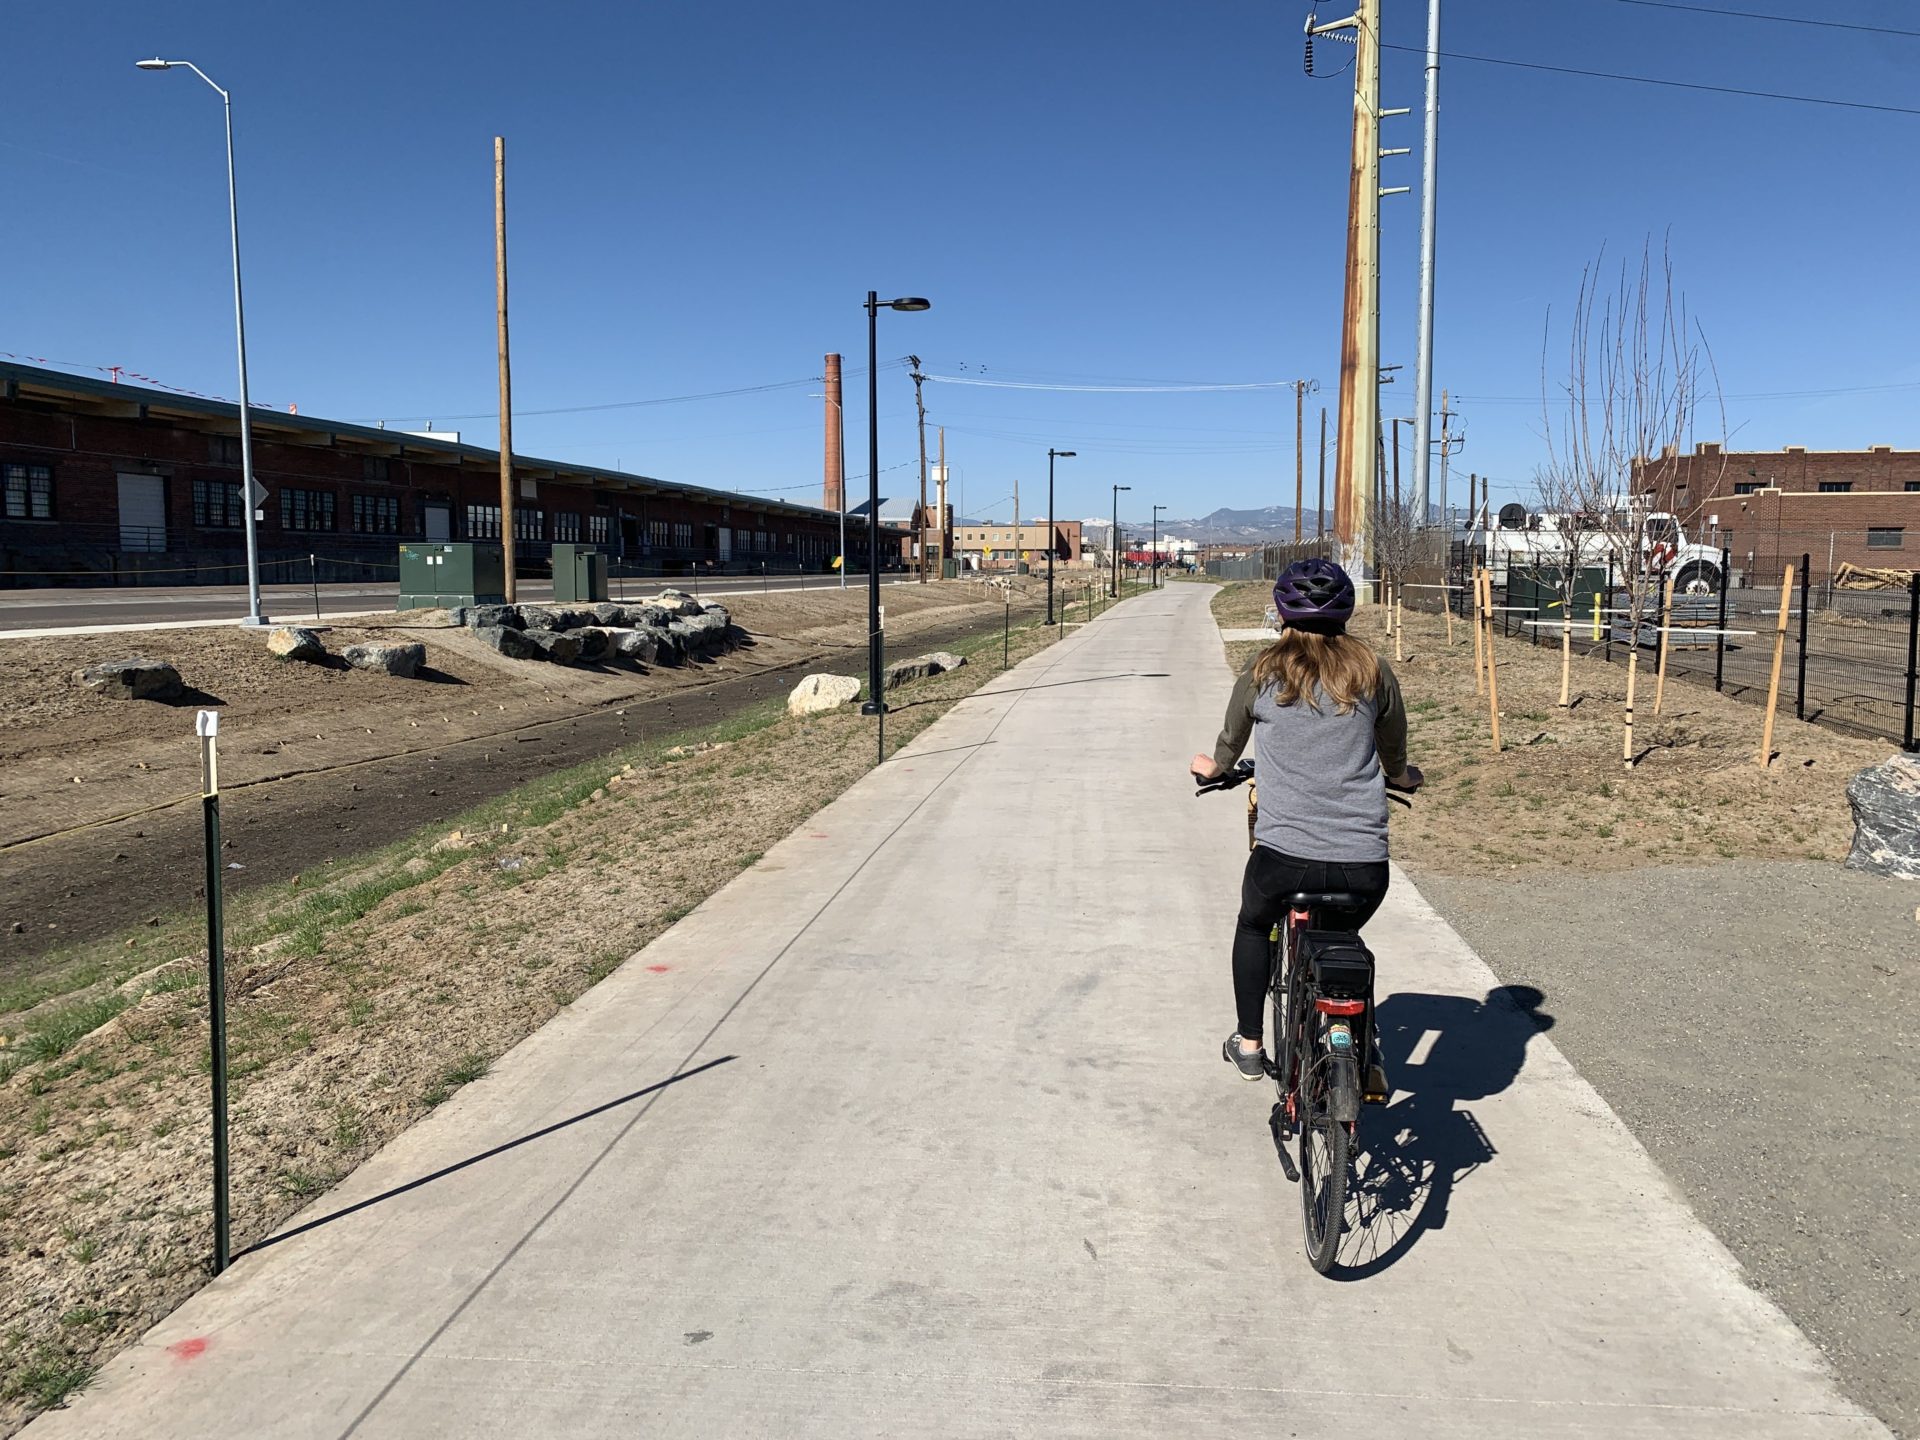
x=1758 y=1027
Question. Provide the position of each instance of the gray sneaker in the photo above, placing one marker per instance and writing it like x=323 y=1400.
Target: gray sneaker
x=1251 y=1067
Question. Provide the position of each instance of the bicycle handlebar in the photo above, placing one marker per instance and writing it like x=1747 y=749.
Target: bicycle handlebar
x=1243 y=772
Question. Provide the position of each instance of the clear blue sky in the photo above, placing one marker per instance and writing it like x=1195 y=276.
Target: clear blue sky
x=1088 y=190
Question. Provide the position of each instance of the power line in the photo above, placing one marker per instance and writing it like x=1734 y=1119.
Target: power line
x=1170 y=389
x=1777 y=19
x=1665 y=84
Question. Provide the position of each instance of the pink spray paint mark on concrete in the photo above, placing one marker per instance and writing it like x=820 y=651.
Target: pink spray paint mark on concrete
x=188 y=1349
x=659 y=969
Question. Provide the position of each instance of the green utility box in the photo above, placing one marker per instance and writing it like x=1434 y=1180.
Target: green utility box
x=579 y=575
x=1538 y=590
x=440 y=575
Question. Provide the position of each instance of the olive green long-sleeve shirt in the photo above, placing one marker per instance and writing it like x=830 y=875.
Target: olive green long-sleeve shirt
x=1322 y=774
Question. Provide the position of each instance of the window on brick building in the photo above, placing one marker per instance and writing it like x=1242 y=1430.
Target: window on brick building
x=223 y=449
x=657 y=534
x=306 y=510
x=483 y=522
x=1912 y=487
x=529 y=523
x=597 y=529
x=1836 y=487
x=1885 y=537
x=376 y=514
x=375 y=468
x=683 y=535
x=29 y=492
x=217 y=505
x=566 y=527
x=1746 y=487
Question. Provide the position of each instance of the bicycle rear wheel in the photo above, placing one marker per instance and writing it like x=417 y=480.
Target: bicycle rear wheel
x=1325 y=1155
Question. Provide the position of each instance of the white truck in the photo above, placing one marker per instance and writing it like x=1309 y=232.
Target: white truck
x=1516 y=536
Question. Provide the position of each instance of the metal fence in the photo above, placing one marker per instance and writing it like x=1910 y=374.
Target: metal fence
x=1852 y=664
x=1268 y=561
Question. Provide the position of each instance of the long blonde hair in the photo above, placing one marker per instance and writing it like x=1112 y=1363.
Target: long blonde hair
x=1304 y=665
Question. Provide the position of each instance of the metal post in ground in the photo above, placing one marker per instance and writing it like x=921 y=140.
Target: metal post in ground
x=313 y=574
x=1720 y=640
x=1800 y=689
x=1913 y=656
x=1609 y=609
x=207 y=727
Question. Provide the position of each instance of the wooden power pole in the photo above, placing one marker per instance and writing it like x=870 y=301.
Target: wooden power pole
x=506 y=381
x=920 y=516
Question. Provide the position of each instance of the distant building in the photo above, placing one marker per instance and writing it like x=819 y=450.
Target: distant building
x=1008 y=543
x=121 y=484
x=1769 y=507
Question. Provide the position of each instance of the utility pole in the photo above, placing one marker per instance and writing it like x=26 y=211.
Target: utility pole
x=920 y=535
x=1446 y=442
x=1301 y=389
x=1356 y=473
x=942 y=520
x=1320 y=510
x=1430 y=169
x=506 y=383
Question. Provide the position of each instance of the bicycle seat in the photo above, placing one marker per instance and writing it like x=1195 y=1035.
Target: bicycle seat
x=1324 y=899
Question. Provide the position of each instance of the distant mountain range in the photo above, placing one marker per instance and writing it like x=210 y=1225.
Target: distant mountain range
x=1223 y=527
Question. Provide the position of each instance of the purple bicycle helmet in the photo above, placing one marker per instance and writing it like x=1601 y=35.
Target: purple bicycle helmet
x=1314 y=595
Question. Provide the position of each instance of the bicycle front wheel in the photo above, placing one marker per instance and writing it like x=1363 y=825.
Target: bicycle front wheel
x=1325 y=1156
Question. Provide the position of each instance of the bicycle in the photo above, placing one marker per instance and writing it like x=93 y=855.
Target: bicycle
x=1321 y=993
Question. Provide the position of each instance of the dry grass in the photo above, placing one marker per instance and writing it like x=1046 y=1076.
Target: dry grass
x=358 y=1001
x=1558 y=795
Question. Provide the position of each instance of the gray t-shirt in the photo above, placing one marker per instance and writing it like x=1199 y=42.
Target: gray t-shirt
x=1322 y=775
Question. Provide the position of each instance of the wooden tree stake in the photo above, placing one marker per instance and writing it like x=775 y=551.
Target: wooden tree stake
x=1479 y=655
x=1446 y=608
x=1666 y=644
x=1626 y=740
x=1399 y=624
x=1566 y=662
x=1773 y=685
x=1493 y=668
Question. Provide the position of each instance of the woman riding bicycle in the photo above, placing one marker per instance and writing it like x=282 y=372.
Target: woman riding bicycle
x=1330 y=733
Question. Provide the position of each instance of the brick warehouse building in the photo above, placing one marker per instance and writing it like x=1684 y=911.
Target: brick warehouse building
x=1770 y=507
x=118 y=484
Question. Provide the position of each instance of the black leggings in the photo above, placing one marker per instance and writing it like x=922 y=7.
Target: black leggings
x=1271 y=878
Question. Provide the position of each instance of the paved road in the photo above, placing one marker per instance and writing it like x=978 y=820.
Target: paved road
x=949 y=1149
x=132 y=606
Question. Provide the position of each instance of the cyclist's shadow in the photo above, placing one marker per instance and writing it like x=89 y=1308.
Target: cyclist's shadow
x=1414 y=1151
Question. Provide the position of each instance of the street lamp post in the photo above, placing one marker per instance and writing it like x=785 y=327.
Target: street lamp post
x=876 y=644
x=1156 y=545
x=1052 y=542
x=1113 y=538
x=254 y=617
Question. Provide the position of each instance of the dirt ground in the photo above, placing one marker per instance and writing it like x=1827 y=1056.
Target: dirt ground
x=360 y=995
x=98 y=813
x=1558 y=795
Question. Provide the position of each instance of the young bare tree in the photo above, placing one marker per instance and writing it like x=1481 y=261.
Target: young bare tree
x=1621 y=436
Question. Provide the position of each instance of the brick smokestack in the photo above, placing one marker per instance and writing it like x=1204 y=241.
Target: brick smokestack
x=836 y=487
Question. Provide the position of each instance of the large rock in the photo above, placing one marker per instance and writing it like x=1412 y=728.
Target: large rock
x=609 y=614
x=676 y=602
x=670 y=648
x=295 y=642
x=555 y=645
x=401 y=660
x=818 y=693
x=945 y=660
x=553 y=617
x=513 y=644
x=596 y=645
x=642 y=647
x=1886 y=818
x=899 y=672
x=658 y=616
x=491 y=617
x=701 y=634
x=133 y=679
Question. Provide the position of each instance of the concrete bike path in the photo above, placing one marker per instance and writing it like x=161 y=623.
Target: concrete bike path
x=951 y=1151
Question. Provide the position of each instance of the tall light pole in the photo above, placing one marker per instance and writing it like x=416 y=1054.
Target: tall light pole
x=1052 y=543
x=876 y=644
x=1156 y=545
x=1430 y=167
x=247 y=484
x=1113 y=539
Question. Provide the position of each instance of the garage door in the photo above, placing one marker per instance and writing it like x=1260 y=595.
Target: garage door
x=143 y=512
